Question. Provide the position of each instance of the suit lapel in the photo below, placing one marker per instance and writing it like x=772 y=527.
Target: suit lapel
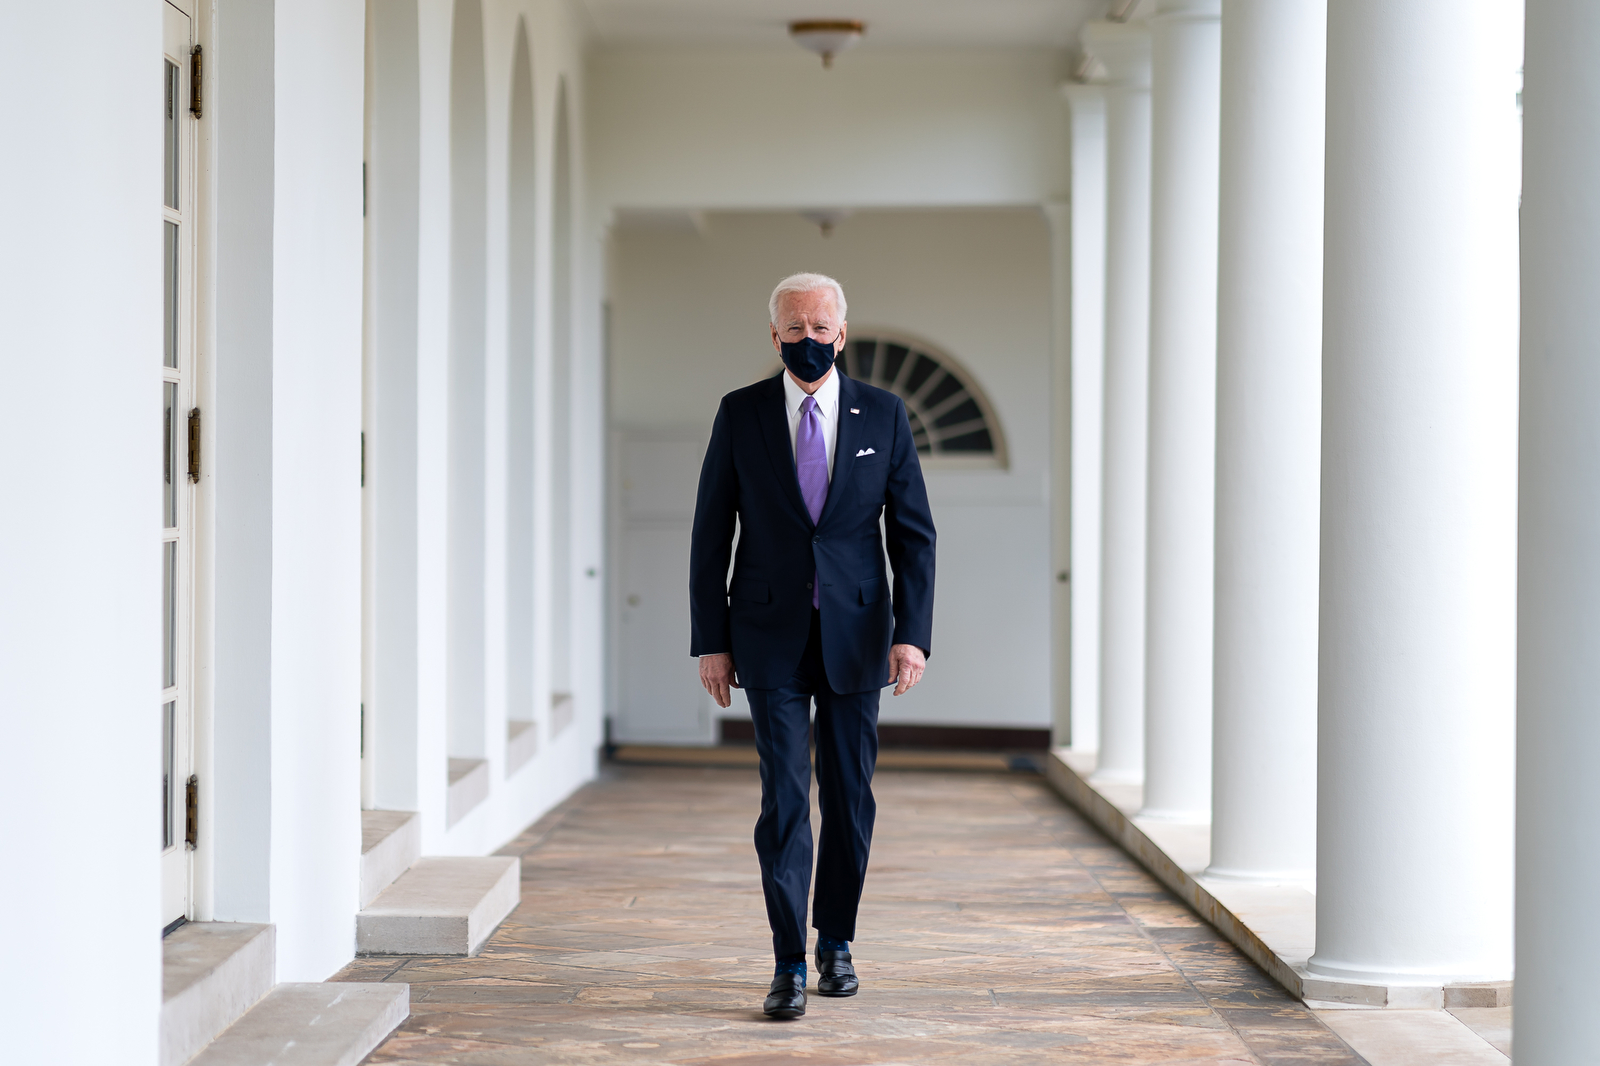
x=774 y=418
x=845 y=446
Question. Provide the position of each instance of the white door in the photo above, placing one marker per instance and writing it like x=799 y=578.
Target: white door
x=179 y=424
x=660 y=700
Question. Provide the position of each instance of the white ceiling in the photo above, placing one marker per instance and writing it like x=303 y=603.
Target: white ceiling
x=890 y=23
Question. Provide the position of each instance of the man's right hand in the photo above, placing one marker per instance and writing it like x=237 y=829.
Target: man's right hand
x=716 y=674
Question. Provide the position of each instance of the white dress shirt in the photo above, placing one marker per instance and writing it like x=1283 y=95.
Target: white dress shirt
x=827 y=409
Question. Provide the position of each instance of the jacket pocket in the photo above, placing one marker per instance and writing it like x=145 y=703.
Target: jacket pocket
x=870 y=481
x=871 y=590
x=754 y=591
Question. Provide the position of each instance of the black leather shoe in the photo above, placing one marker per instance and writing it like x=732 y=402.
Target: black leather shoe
x=835 y=975
x=787 y=998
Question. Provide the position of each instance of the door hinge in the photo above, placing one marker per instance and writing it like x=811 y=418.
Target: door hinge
x=196 y=64
x=194 y=444
x=191 y=812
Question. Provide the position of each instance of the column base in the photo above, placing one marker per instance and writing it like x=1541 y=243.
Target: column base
x=1306 y=879
x=1397 y=994
x=1325 y=967
x=1158 y=814
x=1329 y=979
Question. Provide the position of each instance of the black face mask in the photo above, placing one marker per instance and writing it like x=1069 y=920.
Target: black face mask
x=807 y=359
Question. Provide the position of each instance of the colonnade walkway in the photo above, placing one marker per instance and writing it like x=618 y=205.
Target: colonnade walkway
x=998 y=927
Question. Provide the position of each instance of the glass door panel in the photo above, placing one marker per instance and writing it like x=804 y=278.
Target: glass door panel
x=169 y=614
x=171 y=462
x=174 y=130
x=170 y=304
x=169 y=774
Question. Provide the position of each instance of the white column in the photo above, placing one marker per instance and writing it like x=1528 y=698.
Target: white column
x=1558 y=720
x=1269 y=415
x=1419 y=435
x=1124 y=50
x=1186 y=56
x=1088 y=357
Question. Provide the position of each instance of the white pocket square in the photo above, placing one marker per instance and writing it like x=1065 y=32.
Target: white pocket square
x=865 y=451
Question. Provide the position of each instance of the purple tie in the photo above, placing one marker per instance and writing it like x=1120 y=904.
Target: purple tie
x=811 y=466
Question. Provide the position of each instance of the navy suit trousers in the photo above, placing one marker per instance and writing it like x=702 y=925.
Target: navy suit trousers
x=847 y=752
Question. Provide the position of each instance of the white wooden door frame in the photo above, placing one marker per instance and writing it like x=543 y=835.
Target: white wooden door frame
x=178 y=375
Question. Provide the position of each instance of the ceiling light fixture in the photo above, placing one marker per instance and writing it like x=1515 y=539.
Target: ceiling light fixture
x=825 y=218
x=827 y=37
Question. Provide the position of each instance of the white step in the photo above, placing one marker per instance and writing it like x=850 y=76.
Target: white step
x=211 y=973
x=332 y=1024
x=522 y=744
x=560 y=712
x=468 y=786
x=445 y=906
x=390 y=842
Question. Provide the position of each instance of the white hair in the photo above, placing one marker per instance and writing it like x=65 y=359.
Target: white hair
x=803 y=283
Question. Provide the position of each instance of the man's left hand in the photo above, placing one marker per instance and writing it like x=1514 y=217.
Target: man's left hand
x=906 y=664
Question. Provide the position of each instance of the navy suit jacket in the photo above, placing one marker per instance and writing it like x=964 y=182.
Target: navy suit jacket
x=763 y=616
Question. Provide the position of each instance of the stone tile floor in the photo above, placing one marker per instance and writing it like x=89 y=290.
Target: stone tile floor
x=997 y=927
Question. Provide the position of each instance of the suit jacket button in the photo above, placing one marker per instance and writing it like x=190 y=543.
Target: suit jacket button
x=808 y=584
x=816 y=540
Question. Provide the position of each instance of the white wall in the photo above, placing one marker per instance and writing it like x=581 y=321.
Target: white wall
x=80 y=329
x=715 y=128
x=677 y=132
x=1058 y=215
x=689 y=324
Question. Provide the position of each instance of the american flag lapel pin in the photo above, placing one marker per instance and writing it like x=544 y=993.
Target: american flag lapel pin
x=855 y=410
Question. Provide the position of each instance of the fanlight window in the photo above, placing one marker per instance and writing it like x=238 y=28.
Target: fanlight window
x=950 y=417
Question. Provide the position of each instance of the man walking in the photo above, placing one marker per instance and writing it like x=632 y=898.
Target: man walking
x=808 y=462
